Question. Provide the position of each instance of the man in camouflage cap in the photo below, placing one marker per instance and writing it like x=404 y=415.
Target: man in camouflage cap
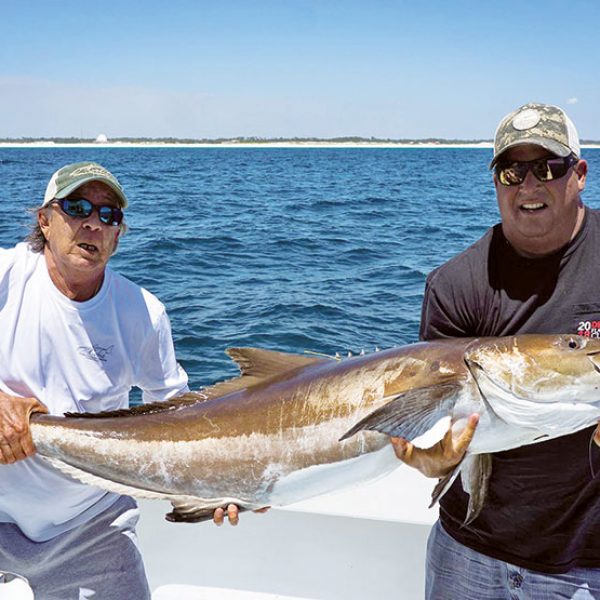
x=539 y=124
x=538 y=534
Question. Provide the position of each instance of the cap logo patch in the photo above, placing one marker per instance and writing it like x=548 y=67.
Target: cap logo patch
x=91 y=170
x=527 y=119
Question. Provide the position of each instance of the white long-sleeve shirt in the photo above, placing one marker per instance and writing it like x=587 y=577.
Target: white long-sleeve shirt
x=78 y=357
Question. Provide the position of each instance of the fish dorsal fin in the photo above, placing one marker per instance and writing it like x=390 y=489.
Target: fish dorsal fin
x=258 y=365
x=256 y=362
x=145 y=409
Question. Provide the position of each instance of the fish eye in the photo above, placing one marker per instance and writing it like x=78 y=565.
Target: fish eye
x=573 y=343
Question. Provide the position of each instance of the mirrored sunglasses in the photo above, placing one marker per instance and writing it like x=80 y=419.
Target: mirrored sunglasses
x=544 y=169
x=80 y=208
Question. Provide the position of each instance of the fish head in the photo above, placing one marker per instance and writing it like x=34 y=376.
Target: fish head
x=539 y=367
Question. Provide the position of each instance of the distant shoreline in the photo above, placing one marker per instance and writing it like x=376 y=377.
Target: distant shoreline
x=240 y=145
x=274 y=144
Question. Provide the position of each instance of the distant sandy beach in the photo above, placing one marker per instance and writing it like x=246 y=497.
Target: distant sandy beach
x=251 y=145
x=237 y=145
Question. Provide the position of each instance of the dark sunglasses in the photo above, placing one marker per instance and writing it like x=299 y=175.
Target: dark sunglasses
x=80 y=208
x=544 y=169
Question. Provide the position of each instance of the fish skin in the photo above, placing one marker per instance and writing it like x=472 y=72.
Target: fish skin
x=532 y=388
x=272 y=436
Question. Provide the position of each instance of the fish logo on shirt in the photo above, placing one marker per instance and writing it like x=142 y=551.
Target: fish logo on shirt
x=96 y=353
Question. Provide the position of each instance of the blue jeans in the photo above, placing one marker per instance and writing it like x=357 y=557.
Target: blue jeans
x=455 y=572
x=98 y=559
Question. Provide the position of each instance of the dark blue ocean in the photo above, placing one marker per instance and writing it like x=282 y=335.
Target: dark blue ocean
x=324 y=250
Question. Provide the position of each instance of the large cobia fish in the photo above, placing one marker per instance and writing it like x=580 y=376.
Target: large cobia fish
x=294 y=426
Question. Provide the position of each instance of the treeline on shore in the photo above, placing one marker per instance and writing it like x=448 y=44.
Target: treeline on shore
x=249 y=140
x=238 y=140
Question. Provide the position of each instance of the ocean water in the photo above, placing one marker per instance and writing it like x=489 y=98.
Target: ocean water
x=296 y=249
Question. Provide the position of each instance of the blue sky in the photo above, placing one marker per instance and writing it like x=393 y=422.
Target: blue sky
x=271 y=68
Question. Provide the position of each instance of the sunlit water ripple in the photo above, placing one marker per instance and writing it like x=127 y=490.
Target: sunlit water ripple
x=295 y=249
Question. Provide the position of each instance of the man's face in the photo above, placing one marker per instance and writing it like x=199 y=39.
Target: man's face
x=538 y=217
x=81 y=247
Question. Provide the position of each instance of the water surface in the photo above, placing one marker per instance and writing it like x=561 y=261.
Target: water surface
x=292 y=249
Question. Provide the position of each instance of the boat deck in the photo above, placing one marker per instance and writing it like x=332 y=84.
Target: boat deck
x=367 y=542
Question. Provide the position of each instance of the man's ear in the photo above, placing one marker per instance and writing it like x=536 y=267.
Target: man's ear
x=44 y=221
x=581 y=169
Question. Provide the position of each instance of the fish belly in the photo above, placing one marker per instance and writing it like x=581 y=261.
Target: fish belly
x=325 y=478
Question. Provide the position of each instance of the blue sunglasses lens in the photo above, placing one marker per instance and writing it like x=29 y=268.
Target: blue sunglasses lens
x=82 y=209
x=110 y=215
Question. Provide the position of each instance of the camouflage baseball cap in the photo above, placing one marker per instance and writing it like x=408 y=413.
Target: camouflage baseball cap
x=544 y=125
x=68 y=178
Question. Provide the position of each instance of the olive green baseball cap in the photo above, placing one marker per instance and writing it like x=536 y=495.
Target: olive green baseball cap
x=70 y=177
x=543 y=125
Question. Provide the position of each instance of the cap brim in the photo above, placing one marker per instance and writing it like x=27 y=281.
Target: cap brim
x=550 y=145
x=77 y=184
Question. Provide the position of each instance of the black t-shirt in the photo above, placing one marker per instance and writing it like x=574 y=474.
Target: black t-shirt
x=543 y=506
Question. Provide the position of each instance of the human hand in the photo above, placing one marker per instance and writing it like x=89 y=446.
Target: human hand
x=442 y=457
x=15 y=435
x=232 y=513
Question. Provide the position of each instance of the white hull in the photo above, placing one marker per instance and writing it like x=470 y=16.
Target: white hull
x=368 y=542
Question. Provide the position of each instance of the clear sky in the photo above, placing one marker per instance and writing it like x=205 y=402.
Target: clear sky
x=271 y=68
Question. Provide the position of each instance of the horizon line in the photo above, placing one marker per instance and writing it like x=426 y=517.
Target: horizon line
x=103 y=140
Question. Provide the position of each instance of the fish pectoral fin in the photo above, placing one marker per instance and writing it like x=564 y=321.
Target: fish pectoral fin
x=411 y=413
x=195 y=512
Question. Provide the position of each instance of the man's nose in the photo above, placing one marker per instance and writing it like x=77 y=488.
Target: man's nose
x=530 y=181
x=93 y=221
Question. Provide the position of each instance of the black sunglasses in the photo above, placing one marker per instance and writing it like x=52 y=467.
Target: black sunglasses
x=80 y=208
x=544 y=169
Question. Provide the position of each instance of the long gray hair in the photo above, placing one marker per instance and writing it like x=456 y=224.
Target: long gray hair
x=35 y=238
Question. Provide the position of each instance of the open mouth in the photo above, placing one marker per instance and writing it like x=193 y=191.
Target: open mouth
x=88 y=247
x=532 y=207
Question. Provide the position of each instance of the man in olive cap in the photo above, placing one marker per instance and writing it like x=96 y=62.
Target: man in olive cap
x=538 y=534
x=76 y=337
